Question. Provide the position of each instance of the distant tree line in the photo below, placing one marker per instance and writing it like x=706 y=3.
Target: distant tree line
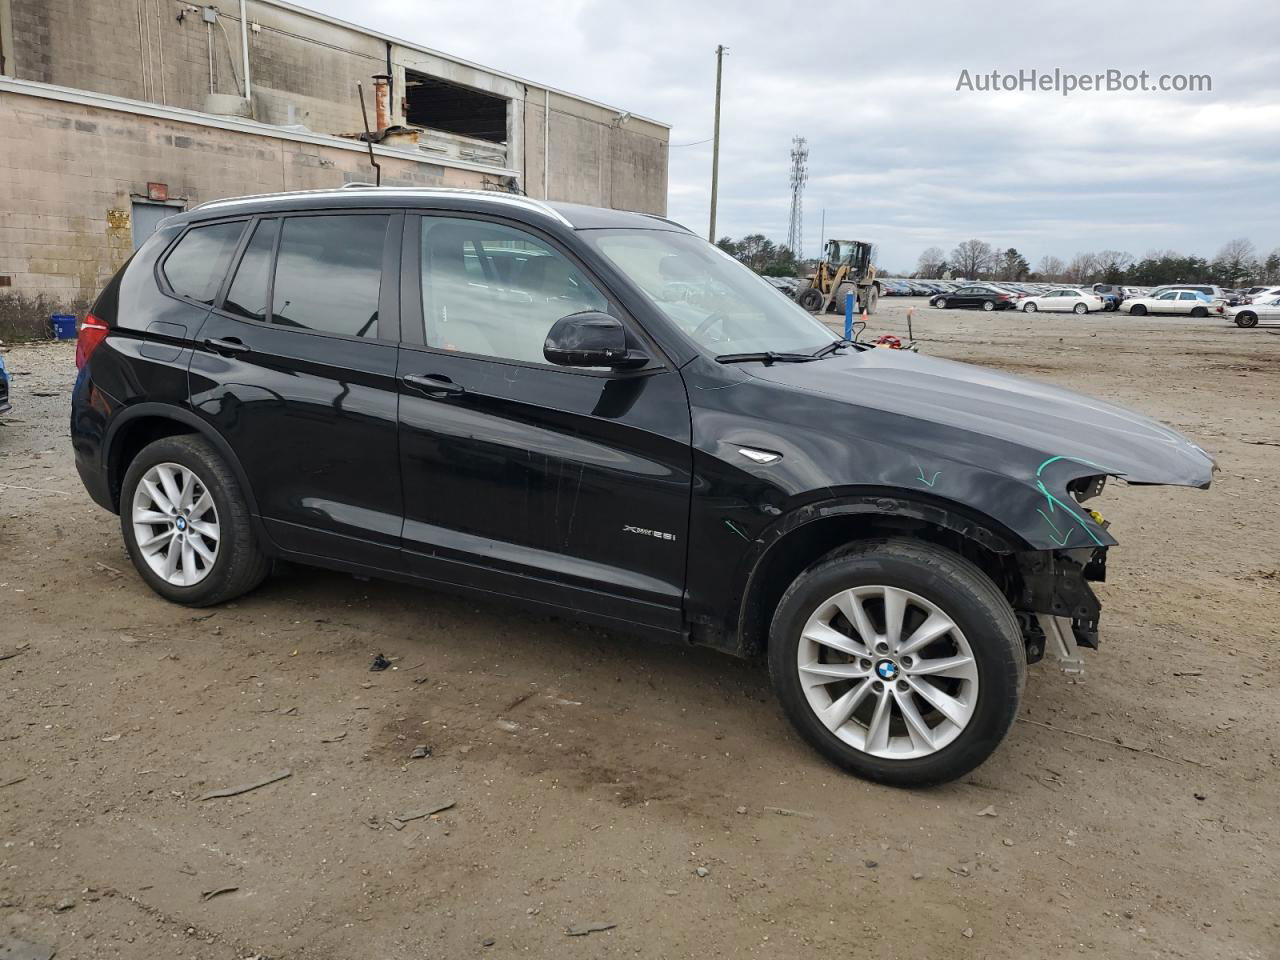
x=761 y=254
x=1237 y=264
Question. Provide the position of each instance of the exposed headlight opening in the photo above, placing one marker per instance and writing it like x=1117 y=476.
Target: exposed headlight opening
x=1086 y=488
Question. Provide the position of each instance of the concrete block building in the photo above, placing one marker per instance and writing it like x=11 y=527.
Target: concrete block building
x=117 y=113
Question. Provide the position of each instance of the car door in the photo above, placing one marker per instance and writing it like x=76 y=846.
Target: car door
x=296 y=367
x=565 y=486
x=1165 y=302
x=1188 y=301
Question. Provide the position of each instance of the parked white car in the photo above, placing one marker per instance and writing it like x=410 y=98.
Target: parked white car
x=1263 y=310
x=1064 y=300
x=1254 y=294
x=1185 y=302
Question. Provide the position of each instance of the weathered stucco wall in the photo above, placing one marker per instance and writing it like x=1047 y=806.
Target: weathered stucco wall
x=70 y=173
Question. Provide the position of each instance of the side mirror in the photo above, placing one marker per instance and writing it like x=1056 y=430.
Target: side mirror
x=590 y=339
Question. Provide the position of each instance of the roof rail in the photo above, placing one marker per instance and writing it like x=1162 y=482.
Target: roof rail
x=491 y=196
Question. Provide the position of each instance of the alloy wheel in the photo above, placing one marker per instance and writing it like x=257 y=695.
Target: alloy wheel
x=175 y=524
x=888 y=672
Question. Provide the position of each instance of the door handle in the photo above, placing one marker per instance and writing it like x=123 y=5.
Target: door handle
x=226 y=347
x=434 y=385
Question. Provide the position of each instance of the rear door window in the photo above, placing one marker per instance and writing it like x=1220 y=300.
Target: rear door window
x=195 y=268
x=329 y=273
x=247 y=297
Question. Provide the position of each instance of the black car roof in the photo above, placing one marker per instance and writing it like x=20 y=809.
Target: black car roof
x=573 y=216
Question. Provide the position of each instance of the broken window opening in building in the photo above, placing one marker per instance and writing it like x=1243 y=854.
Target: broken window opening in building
x=452 y=108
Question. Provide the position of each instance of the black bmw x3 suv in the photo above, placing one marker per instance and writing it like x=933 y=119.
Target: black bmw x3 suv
x=602 y=415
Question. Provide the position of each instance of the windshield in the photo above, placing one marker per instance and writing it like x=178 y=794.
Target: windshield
x=721 y=304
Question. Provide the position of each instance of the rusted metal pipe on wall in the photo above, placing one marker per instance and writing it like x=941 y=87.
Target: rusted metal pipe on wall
x=382 y=100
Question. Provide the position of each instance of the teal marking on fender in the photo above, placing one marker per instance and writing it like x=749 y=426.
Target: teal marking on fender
x=1088 y=463
x=1052 y=500
x=927 y=483
x=734 y=527
x=1057 y=536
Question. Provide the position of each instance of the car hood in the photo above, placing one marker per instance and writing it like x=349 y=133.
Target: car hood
x=1053 y=422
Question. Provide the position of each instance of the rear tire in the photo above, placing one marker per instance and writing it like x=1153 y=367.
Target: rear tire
x=238 y=563
x=988 y=305
x=981 y=646
x=1080 y=308
x=1199 y=312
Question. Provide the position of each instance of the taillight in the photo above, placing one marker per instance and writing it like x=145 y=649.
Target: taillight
x=92 y=332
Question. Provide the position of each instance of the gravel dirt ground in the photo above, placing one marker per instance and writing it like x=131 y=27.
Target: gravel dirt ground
x=595 y=777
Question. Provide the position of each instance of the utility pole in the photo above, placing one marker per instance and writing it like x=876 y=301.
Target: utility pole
x=715 y=146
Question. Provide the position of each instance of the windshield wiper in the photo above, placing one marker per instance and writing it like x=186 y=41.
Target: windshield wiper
x=833 y=346
x=765 y=356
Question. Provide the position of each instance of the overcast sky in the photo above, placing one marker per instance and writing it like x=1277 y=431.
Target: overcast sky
x=897 y=154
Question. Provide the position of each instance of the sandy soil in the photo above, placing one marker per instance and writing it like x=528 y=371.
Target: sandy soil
x=592 y=774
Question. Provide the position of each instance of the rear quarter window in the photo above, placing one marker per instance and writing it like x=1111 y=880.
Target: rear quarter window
x=196 y=267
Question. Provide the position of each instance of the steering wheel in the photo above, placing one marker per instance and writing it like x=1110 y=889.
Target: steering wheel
x=708 y=323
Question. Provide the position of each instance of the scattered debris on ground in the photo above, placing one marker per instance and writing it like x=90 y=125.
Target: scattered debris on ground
x=245 y=788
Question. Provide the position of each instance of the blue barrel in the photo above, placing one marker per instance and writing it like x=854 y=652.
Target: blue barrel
x=64 y=326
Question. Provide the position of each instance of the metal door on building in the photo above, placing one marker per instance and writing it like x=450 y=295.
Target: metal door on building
x=146 y=216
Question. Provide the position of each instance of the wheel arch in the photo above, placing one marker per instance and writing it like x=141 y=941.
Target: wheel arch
x=809 y=533
x=144 y=423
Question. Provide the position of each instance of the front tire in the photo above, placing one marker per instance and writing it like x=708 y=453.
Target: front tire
x=1137 y=310
x=942 y=303
x=1246 y=320
x=899 y=661
x=1029 y=308
x=186 y=524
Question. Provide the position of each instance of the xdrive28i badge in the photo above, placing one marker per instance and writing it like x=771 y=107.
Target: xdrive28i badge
x=646 y=532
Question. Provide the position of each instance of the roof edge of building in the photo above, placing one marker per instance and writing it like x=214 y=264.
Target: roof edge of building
x=410 y=45
x=107 y=101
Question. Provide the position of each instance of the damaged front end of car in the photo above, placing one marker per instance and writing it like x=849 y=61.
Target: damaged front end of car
x=1056 y=607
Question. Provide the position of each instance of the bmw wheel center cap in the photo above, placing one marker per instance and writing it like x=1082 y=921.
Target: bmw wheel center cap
x=886 y=669
x=181 y=523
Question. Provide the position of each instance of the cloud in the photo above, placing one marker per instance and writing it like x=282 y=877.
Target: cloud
x=897 y=155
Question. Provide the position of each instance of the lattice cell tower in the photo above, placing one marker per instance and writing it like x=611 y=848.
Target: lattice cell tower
x=799 y=174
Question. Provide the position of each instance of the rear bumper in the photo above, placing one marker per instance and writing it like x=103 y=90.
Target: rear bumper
x=90 y=411
x=94 y=478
